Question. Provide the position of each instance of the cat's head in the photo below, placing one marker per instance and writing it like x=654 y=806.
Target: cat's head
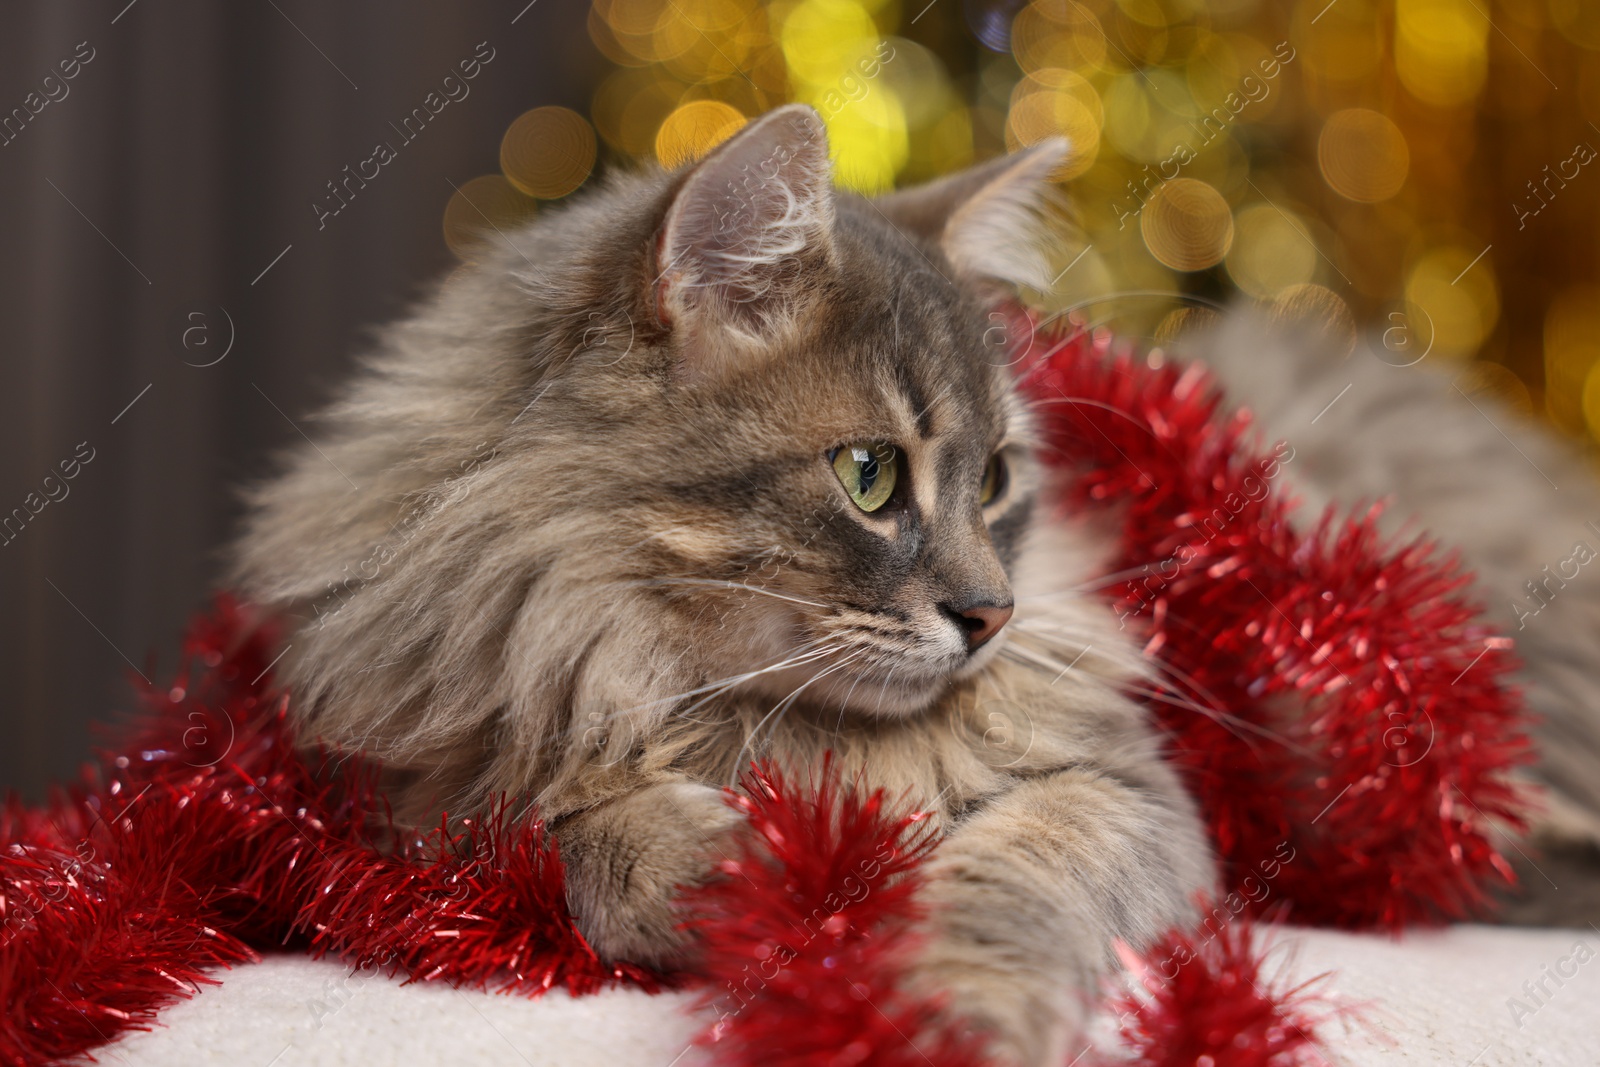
x=734 y=426
x=859 y=468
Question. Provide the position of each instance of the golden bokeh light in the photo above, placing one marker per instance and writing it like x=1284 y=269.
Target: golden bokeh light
x=1271 y=251
x=636 y=18
x=916 y=75
x=695 y=129
x=1571 y=351
x=1061 y=103
x=1591 y=399
x=606 y=40
x=484 y=210
x=870 y=142
x=1187 y=225
x=942 y=147
x=1058 y=33
x=1441 y=50
x=1363 y=155
x=1578 y=21
x=1128 y=113
x=1455 y=290
x=1336 y=162
x=1345 y=46
x=822 y=39
x=548 y=152
x=630 y=105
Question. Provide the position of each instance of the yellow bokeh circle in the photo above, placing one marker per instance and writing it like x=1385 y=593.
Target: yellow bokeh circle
x=820 y=38
x=1058 y=33
x=1482 y=378
x=1057 y=113
x=1591 y=399
x=1455 y=289
x=548 y=152
x=1571 y=350
x=1363 y=155
x=1441 y=50
x=1187 y=225
x=1272 y=250
x=695 y=129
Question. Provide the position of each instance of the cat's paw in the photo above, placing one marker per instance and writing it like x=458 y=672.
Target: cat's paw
x=1025 y=1019
x=1003 y=958
x=628 y=859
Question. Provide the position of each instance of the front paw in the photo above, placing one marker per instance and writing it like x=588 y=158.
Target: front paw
x=628 y=859
x=1011 y=957
x=1026 y=1015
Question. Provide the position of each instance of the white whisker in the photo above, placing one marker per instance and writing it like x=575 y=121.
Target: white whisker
x=733 y=585
x=722 y=684
x=1214 y=711
x=798 y=661
x=784 y=704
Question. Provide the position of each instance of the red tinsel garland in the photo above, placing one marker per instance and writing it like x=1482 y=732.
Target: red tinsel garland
x=811 y=928
x=1217 y=1008
x=209 y=836
x=1360 y=726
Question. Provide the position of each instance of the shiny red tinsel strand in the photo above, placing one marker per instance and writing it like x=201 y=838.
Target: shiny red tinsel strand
x=210 y=835
x=806 y=934
x=1361 y=725
x=1219 y=1007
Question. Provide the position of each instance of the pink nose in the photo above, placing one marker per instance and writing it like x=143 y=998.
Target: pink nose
x=980 y=622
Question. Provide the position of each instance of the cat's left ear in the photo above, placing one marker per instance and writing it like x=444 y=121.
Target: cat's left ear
x=746 y=238
x=988 y=219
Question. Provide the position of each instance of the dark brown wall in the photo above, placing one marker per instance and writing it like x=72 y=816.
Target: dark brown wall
x=191 y=148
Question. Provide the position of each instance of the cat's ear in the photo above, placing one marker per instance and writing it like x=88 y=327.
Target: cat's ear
x=987 y=219
x=745 y=236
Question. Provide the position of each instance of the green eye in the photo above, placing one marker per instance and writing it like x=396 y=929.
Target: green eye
x=994 y=480
x=868 y=471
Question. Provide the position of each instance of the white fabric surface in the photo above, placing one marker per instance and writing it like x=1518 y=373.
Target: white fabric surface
x=1441 y=997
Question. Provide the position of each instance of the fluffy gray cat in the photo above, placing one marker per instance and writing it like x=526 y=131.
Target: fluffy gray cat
x=727 y=464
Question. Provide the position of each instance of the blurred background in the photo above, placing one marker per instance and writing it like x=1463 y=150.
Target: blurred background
x=207 y=206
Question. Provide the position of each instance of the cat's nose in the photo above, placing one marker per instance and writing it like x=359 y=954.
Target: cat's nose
x=979 y=621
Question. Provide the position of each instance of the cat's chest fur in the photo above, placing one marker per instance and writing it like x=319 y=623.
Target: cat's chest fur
x=1011 y=722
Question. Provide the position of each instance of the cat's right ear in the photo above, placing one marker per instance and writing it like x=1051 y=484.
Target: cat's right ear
x=746 y=240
